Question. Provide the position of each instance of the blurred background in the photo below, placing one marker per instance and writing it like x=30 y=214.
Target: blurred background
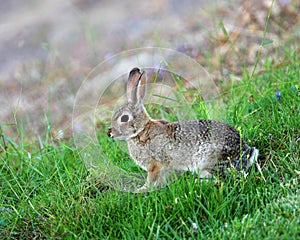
x=48 y=47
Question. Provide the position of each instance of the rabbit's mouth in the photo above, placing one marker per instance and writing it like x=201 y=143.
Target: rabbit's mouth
x=114 y=136
x=109 y=132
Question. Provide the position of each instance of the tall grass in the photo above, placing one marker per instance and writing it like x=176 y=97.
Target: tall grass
x=46 y=192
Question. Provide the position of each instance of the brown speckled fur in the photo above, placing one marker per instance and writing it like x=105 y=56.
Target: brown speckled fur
x=162 y=148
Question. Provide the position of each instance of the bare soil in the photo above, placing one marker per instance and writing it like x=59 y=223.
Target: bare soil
x=48 y=47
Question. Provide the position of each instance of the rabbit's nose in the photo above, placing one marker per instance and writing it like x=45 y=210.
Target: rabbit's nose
x=109 y=132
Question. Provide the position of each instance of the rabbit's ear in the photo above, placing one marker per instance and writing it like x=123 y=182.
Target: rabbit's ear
x=136 y=87
x=142 y=86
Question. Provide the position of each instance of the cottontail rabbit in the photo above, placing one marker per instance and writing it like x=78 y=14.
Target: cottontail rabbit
x=161 y=147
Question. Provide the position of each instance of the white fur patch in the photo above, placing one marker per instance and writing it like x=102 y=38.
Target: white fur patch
x=253 y=157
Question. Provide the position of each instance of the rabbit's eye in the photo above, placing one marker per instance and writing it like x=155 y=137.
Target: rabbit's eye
x=124 y=118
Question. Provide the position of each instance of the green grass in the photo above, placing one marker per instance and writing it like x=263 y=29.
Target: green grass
x=46 y=192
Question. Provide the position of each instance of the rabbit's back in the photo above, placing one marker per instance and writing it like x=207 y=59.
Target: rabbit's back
x=189 y=145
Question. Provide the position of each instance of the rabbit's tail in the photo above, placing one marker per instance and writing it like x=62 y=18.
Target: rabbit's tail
x=253 y=156
x=253 y=159
x=248 y=158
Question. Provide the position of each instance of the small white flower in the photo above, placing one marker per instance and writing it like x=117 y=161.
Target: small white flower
x=195 y=227
x=60 y=134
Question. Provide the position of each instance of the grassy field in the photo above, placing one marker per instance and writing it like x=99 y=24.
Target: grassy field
x=45 y=191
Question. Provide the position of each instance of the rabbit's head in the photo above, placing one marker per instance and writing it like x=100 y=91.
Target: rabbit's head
x=129 y=120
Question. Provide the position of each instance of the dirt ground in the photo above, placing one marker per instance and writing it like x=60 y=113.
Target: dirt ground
x=49 y=47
